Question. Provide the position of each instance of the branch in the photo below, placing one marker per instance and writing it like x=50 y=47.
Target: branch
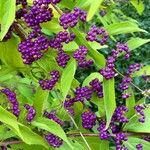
x=143 y=92
x=80 y=133
x=10 y=143
x=57 y=9
x=20 y=31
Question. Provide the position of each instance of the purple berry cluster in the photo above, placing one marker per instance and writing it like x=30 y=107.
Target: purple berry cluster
x=88 y=119
x=53 y=140
x=49 y=84
x=94 y=32
x=52 y=116
x=147 y=138
x=124 y=85
x=133 y=68
x=80 y=56
x=123 y=48
x=71 y=19
x=139 y=147
x=60 y=38
x=38 y=13
x=31 y=112
x=97 y=87
x=140 y=111
x=120 y=137
x=62 y=58
x=119 y=114
x=21 y=2
x=68 y=105
x=103 y=133
x=11 y=96
x=8 y=34
x=83 y=93
x=32 y=49
x=103 y=12
x=107 y=72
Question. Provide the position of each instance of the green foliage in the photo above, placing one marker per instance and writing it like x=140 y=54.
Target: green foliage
x=7 y=16
x=139 y=6
x=135 y=126
x=9 y=54
x=24 y=80
x=109 y=99
x=67 y=77
x=25 y=133
x=93 y=8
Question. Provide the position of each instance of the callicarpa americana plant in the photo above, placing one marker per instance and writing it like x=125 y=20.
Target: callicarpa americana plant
x=69 y=79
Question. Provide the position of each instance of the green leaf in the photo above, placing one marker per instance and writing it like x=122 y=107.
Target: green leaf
x=100 y=104
x=83 y=3
x=93 y=9
x=139 y=6
x=9 y=53
x=40 y=99
x=25 y=133
x=135 y=126
x=130 y=103
x=122 y=28
x=52 y=127
x=97 y=57
x=28 y=136
x=67 y=77
x=76 y=146
x=72 y=46
x=91 y=77
x=133 y=141
x=143 y=71
x=10 y=120
x=67 y=4
x=109 y=99
x=134 y=43
x=95 y=143
x=7 y=16
x=51 y=27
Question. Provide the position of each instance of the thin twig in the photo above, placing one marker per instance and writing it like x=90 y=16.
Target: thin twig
x=20 y=31
x=84 y=134
x=143 y=92
x=10 y=143
x=76 y=126
x=57 y=9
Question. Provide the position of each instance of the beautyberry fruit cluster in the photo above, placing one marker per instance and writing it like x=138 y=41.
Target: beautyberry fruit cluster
x=71 y=19
x=49 y=84
x=62 y=58
x=97 y=87
x=11 y=96
x=94 y=33
x=140 y=111
x=80 y=56
x=31 y=112
x=88 y=119
x=83 y=93
x=53 y=140
x=33 y=48
x=60 y=38
x=53 y=117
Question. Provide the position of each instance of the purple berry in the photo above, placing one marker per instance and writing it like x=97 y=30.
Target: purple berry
x=31 y=112
x=11 y=96
x=49 y=84
x=52 y=116
x=88 y=120
x=83 y=93
x=80 y=56
x=97 y=87
x=53 y=140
